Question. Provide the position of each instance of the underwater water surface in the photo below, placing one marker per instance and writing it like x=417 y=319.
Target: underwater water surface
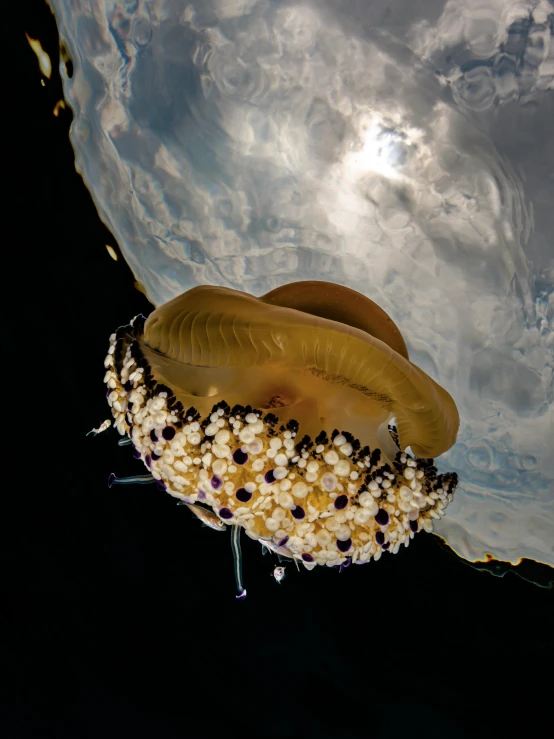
x=400 y=149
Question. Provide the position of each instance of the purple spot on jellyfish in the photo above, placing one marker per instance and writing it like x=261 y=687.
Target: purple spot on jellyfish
x=240 y=457
x=283 y=541
x=136 y=453
x=380 y=538
x=307 y=558
x=341 y=502
x=298 y=512
x=217 y=482
x=225 y=513
x=386 y=545
x=154 y=435
x=155 y=457
x=161 y=485
x=243 y=495
x=201 y=494
x=269 y=477
x=148 y=460
x=168 y=433
x=414 y=526
x=344 y=546
x=382 y=517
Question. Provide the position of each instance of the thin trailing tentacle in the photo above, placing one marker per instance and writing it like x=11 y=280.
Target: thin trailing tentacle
x=237 y=561
x=134 y=480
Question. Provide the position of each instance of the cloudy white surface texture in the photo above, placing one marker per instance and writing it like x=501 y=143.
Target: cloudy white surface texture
x=402 y=149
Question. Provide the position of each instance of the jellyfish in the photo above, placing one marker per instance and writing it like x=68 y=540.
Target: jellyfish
x=297 y=417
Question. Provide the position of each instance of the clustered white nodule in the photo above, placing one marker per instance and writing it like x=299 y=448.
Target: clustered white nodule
x=328 y=503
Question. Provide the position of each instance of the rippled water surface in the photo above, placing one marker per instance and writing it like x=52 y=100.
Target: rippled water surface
x=403 y=149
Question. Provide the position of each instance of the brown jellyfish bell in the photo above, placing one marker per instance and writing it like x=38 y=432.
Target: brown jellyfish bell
x=274 y=412
x=316 y=352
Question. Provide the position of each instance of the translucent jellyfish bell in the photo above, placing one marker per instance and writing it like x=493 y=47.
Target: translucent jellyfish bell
x=238 y=144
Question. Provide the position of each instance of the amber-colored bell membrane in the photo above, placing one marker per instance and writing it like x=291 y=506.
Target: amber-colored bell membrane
x=316 y=352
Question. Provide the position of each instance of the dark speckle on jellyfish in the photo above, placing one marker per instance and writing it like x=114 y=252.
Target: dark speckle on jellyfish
x=276 y=413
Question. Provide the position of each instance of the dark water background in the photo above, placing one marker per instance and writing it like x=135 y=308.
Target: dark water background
x=113 y=625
